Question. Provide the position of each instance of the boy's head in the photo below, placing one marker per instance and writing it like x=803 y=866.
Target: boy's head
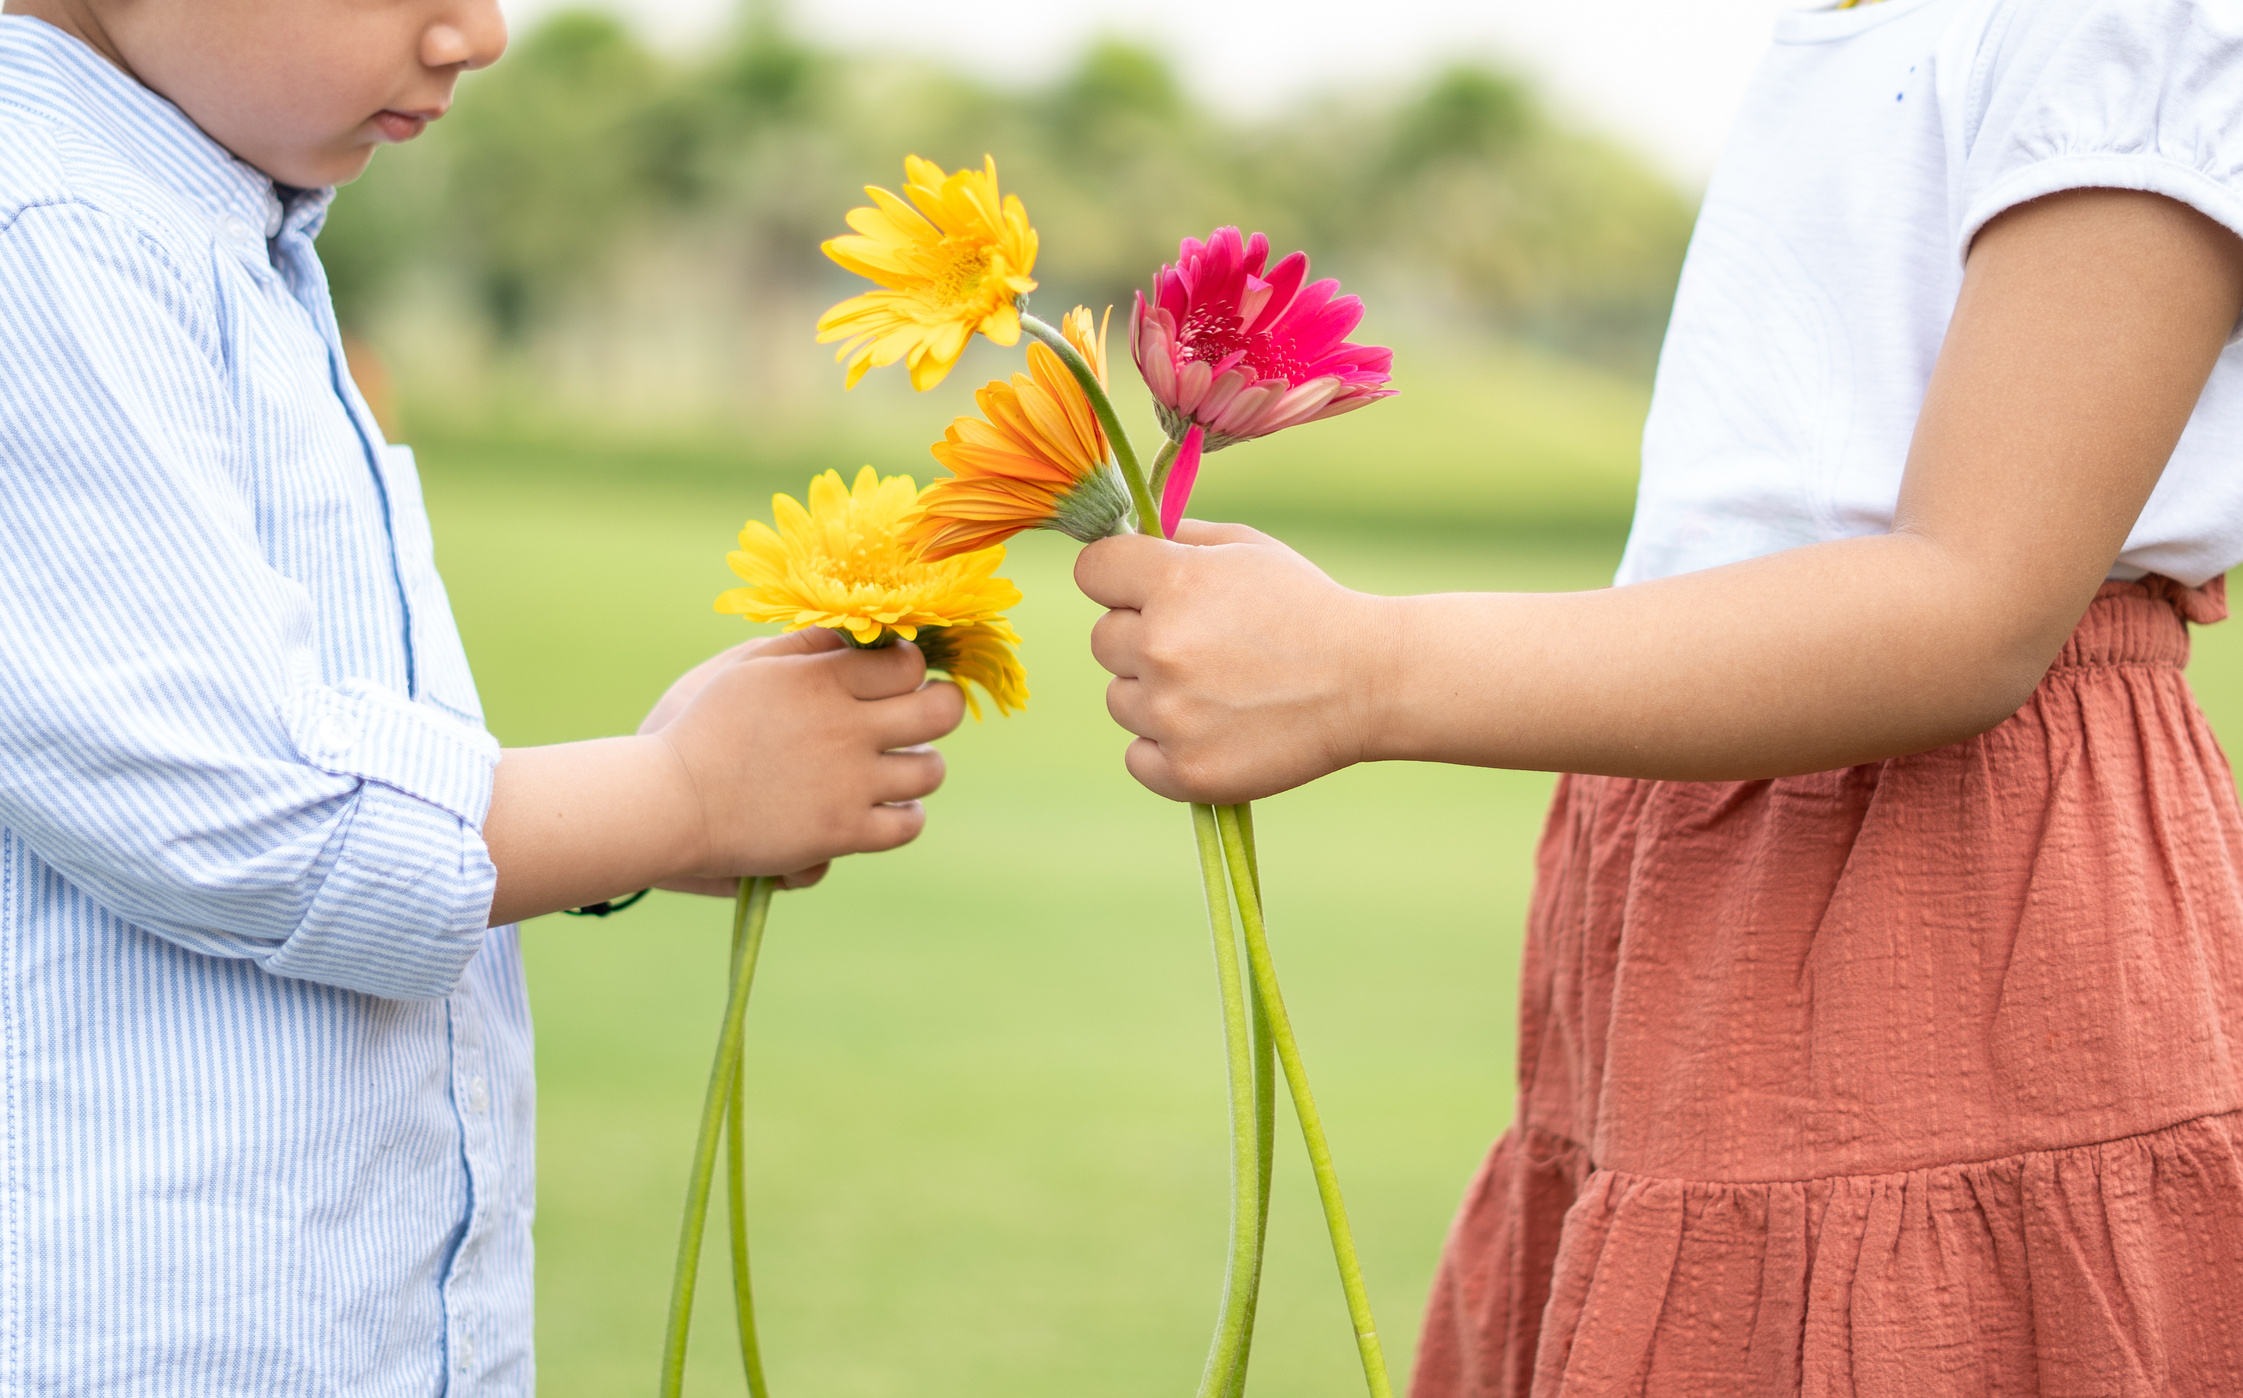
x=302 y=89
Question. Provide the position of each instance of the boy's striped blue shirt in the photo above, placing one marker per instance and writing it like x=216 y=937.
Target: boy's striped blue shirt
x=265 y=1098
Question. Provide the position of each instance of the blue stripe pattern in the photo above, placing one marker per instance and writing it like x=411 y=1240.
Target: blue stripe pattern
x=265 y=1096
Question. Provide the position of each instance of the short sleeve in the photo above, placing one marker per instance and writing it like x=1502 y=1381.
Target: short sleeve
x=2081 y=94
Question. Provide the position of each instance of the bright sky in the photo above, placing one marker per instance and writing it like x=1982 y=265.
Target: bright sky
x=1664 y=74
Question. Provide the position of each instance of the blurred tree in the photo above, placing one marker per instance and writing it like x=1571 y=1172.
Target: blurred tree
x=569 y=140
x=587 y=163
x=1469 y=115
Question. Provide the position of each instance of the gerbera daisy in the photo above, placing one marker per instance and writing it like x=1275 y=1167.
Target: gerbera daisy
x=983 y=653
x=1243 y=353
x=950 y=266
x=844 y=563
x=1035 y=459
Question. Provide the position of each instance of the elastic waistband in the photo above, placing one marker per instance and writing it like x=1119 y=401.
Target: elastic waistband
x=2143 y=623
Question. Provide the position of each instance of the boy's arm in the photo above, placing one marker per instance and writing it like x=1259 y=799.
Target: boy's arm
x=786 y=754
x=168 y=746
x=2087 y=327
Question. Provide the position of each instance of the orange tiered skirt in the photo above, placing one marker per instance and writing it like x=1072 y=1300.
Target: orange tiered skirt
x=1914 y=1080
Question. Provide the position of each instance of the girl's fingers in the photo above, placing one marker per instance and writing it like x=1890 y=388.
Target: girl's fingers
x=887 y=827
x=1114 y=642
x=1200 y=533
x=1150 y=766
x=921 y=716
x=1119 y=572
x=1130 y=704
x=907 y=775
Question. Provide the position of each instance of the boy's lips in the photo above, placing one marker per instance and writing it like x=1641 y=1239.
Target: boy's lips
x=403 y=126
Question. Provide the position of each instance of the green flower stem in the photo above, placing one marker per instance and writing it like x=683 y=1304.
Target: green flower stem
x=749 y=913
x=1235 y=849
x=1265 y=1107
x=1161 y=462
x=1125 y=456
x=736 y=1186
x=1225 y=1373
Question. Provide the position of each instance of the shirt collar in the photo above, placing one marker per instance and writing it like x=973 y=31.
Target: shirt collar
x=62 y=79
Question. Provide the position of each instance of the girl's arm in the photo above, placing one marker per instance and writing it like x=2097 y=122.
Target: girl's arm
x=2086 y=328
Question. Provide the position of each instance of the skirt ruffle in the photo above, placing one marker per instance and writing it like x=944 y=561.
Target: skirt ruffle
x=2103 y=1271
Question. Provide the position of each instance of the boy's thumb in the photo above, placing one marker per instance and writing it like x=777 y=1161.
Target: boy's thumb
x=810 y=640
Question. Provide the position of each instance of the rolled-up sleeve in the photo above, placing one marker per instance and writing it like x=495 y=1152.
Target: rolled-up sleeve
x=167 y=742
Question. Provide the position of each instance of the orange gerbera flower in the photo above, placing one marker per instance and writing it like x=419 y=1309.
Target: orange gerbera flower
x=1035 y=459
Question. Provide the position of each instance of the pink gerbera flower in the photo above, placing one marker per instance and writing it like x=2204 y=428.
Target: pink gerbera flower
x=1242 y=352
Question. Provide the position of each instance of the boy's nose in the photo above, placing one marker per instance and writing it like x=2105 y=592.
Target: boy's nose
x=469 y=34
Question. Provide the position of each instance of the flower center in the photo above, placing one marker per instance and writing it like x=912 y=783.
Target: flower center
x=1213 y=333
x=867 y=563
x=962 y=265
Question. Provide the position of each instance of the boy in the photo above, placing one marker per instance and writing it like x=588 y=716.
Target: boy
x=265 y=1099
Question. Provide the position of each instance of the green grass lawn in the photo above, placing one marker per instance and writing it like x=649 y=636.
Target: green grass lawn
x=986 y=1082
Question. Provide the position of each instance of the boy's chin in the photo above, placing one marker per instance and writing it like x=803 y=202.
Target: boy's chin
x=350 y=167
x=317 y=168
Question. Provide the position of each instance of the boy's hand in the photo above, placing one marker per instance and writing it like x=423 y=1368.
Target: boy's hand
x=797 y=749
x=1242 y=668
x=770 y=759
x=692 y=682
x=681 y=692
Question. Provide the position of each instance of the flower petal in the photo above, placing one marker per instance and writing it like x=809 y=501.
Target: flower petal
x=1183 y=474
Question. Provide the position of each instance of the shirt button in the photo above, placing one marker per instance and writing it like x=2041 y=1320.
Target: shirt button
x=234 y=229
x=338 y=735
x=478 y=1096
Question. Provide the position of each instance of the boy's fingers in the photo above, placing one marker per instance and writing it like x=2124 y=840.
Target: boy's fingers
x=706 y=888
x=887 y=827
x=906 y=776
x=883 y=673
x=921 y=716
x=810 y=640
x=1114 y=643
x=804 y=878
x=1201 y=533
x=1118 y=572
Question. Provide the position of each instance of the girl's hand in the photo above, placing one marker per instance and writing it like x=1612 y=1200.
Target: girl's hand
x=1242 y=669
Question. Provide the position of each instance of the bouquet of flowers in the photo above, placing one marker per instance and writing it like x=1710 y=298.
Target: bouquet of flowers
x=1231 y=348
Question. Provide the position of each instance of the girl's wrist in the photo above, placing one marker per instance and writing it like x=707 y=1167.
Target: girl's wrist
x=1381 y=680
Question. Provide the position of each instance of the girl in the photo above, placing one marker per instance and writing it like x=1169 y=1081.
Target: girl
x=1886 y=963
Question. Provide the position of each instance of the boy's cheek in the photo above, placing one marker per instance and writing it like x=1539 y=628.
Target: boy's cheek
x=289 y=86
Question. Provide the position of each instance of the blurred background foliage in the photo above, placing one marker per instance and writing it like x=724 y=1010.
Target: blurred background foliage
x=610 y=251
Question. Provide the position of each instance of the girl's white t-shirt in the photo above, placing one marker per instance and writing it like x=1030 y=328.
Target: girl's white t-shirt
x=1874 y=144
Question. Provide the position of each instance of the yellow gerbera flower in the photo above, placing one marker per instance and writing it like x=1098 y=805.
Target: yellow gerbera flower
x=1035 y=459
x=947 y=268
x=981 y=653
x=845 y=563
